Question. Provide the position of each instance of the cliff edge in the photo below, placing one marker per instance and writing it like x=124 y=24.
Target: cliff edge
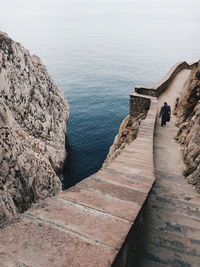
x=128 y=131
x=33 y=115
x=188 y=114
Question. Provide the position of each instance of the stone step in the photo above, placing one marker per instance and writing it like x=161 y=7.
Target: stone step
x=127 y=161
x=7 y=261
x=102 y=202
x=136 y=156
x=82 y=220
x=34 y=242
x=148 y=180
x=174 y=242
x=149 y=263
x=169 y=257
x=139 y=169
x=127 y=182
x=178 y=208
x=142 y=146
x=117 y=191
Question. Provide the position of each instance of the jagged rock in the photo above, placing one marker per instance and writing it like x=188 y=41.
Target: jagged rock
x=188 y=114
x=127 y=133
x=33 y=115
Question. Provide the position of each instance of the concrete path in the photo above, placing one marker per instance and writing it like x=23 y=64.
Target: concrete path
x=172 y=219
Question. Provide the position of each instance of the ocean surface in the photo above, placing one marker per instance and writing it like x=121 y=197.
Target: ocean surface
x=97 y=51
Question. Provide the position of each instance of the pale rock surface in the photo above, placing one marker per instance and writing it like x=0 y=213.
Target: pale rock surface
x=128 y=131
x=188 y=113
x=33 y=115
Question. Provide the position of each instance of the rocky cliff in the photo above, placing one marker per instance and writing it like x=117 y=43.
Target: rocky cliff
x=127 y=133
x=188 y=113
x=33 y=115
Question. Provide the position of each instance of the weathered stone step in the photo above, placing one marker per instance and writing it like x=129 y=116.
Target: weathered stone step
x=183 y=201
x=140 y=170
x=178 y=208
x=6 y=261
x=177 y=226
x=102 y=202
x=40 y=244
x=172 y=241
x=114 y=190
x=172 y=230
x=132 y=183
x=171 y=220
x=142 y=146
x=136 y=162
x=171 y=184
x=132 y=176
x=110 y=228
x=161 y=256
x=136 y=156
x=146 y=262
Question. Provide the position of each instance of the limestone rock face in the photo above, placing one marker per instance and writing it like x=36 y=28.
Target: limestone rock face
x=188 y=113
x=33 y=115
x=127 y=133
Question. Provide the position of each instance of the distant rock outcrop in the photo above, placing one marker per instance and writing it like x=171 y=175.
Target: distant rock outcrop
x=33 y=115
x=127 y=133
x=188 y=113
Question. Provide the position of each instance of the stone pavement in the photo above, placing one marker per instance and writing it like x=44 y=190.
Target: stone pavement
x=172 y=218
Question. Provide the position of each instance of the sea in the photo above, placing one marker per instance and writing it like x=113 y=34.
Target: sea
x=97 y=51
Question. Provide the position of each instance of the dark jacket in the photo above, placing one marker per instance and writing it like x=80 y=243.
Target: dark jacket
x=165 y=112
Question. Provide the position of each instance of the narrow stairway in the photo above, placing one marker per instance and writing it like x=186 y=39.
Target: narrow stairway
x=172 y=218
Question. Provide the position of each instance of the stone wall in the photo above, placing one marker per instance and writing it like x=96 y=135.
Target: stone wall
x=128 y=255
x=143 y=148
x=139 y=104
x=157 y=89
x=139 y=107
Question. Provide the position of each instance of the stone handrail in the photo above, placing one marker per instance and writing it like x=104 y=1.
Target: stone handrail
x=121 y=190
x=139 y=157
x=157 y=89
x=139 y=104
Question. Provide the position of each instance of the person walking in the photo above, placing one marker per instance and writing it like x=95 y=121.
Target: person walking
x=165 y=113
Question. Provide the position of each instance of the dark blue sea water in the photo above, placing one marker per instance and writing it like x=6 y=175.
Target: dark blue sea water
x=96 y=51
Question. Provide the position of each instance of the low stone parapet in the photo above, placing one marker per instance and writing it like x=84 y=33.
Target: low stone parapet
x=157 y=89
x=139 y=104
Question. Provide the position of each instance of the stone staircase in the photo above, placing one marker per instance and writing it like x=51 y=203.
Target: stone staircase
x=172 y=217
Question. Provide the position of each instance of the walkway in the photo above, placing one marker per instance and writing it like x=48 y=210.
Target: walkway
x=172 y=219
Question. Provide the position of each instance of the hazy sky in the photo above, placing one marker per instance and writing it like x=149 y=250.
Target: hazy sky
x=145 y=27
